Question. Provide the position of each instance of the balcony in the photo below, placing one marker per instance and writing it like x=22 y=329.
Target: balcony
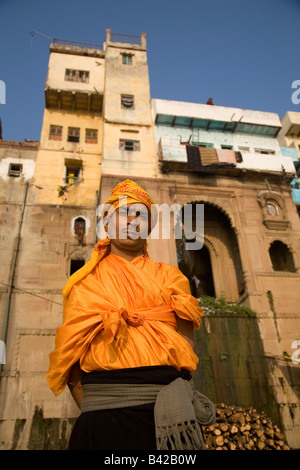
x=295 y=184
x=174 y=157
x=201 y=117
x=293 y=153
x=73 y=100
x=78 y=88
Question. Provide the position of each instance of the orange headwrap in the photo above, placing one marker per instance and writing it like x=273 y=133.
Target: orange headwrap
x=126 y=192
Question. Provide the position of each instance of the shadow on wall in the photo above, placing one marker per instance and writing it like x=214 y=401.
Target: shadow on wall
x=232 y=368
x=45 y=434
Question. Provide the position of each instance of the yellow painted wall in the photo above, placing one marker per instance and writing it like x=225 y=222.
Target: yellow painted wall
x=130 y=124
x=50 y=164
x=59 y=62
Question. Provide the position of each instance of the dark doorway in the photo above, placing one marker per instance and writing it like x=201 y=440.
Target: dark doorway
x=203 y=272
x=75 y=265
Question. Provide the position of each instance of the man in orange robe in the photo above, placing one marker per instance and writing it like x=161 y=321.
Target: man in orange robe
x=126 y=320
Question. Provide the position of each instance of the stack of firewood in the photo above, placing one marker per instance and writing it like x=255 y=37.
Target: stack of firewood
x=243 y=429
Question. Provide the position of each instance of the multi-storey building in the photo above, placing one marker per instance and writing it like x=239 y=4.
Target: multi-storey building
x=289 y=139
x=100 y=127
x=97 y=114
x=230 y=161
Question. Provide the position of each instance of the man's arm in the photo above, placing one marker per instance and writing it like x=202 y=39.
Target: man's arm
x=74 y=384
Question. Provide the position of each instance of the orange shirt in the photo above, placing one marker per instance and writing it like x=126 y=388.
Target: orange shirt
x=122 y=315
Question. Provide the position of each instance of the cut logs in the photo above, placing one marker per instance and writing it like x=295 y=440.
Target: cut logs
x=243 y=429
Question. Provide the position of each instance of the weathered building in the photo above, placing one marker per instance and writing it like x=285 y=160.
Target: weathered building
x=230 y=160
x=289 y=139
x=100 y=127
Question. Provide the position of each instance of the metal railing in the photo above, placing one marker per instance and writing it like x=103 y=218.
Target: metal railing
x=77 y=43
x=125 y=38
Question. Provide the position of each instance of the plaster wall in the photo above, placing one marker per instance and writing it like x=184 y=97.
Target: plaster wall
x=59 y=62
x=51 y=160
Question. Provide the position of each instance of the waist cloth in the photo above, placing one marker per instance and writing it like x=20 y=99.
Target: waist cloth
x=178 y=409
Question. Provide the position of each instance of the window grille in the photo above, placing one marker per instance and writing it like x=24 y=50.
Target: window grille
x=15 y=169
x=77 y=76
x=73 y=134
x=55 y=132
x=127 y=101
x=91 y=136
x=131 y=145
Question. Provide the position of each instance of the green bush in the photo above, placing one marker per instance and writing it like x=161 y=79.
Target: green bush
x=219 y=305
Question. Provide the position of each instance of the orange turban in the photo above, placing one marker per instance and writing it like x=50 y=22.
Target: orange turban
x=126 y=192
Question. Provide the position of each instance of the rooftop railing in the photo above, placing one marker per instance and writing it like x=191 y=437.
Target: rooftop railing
x=77 y=43
x=125 y=38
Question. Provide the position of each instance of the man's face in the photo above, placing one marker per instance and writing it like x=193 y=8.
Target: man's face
x=128 y=227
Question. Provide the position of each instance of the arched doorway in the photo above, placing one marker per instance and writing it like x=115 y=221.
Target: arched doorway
x=217 y=264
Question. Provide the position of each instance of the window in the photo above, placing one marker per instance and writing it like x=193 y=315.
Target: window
x=132 y=145
x=79 y=228
x=55 y=133
x=15 y=169
x=73 y=134
x=265 y=152
x=72 y=175
x=203 y=144
x=75 y=265
x=127 y=59
x=77 y=75
x=227 y=147
x=281 y=257
x=73 y=168
x=91 y=136
x=127 y=101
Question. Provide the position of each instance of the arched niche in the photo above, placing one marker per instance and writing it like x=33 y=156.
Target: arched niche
x=79 y=227
x=281 y=257
x=218 y=263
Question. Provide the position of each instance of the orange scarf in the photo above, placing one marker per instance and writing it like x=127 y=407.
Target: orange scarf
x=126 y=192
x=122 y=315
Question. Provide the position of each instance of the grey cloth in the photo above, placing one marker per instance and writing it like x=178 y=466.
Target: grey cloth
x=179 y=413
x=111 y=396
x=179 y=409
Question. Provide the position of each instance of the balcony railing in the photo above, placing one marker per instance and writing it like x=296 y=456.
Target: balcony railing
x=125 y=38
x=77 y=43
x=172 y=155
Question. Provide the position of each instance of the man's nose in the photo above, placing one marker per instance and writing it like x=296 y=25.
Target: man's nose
x=132 y=219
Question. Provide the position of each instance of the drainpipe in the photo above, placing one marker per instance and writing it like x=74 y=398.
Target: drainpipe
x=12 y=271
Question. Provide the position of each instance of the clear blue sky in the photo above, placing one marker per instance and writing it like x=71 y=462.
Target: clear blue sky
x=243 y=53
